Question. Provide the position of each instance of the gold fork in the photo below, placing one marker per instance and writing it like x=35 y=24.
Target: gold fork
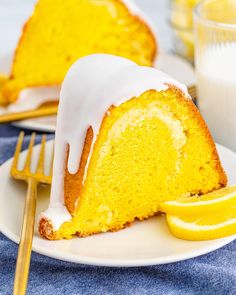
x=32 y=179
x=192 y=90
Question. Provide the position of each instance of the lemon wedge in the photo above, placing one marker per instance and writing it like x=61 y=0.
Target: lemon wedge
x=206 y=227
x=198 y=205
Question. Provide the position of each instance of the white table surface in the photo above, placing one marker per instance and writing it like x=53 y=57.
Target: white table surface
x=13 y=14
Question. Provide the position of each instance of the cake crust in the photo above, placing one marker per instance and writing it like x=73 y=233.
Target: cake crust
x=73 y=182
x=46 y=230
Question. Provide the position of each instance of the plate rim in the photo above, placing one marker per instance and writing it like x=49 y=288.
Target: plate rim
x=31 y=124
x=109 y=262
x=106 y=262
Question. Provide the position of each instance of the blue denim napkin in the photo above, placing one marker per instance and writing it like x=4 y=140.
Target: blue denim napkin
x=214 y=273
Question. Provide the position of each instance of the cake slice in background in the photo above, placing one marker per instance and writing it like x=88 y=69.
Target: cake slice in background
x=128 y=137
x=59 y=32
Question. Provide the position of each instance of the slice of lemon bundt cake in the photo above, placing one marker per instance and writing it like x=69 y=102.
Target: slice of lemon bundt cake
x=59 y=32
x=128 y=137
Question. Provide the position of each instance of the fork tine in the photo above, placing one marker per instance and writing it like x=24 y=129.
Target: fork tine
x=40 y=166
x=18 y=150
x=51 y=169
x=193 y=92
x=28 y=158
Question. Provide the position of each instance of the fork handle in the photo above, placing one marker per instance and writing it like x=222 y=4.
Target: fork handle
x=27 y=232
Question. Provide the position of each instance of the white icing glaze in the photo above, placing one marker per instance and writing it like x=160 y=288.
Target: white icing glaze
x=91 y=86
x=58 y=215
x=32 y=98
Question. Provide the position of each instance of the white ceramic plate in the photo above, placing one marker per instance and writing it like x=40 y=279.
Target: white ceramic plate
x=143 y=243
x=169 y=63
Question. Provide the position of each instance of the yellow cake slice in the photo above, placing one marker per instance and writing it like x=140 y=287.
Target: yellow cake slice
x=59 y=32
x=128 y=138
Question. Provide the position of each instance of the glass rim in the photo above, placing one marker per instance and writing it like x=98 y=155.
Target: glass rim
x=197 y=14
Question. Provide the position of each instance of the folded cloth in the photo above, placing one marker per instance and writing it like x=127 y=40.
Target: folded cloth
x=214 y=273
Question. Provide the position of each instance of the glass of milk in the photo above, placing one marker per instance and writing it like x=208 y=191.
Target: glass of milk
x=215 y=60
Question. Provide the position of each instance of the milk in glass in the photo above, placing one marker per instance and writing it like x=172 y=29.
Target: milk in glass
x=216 y=78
